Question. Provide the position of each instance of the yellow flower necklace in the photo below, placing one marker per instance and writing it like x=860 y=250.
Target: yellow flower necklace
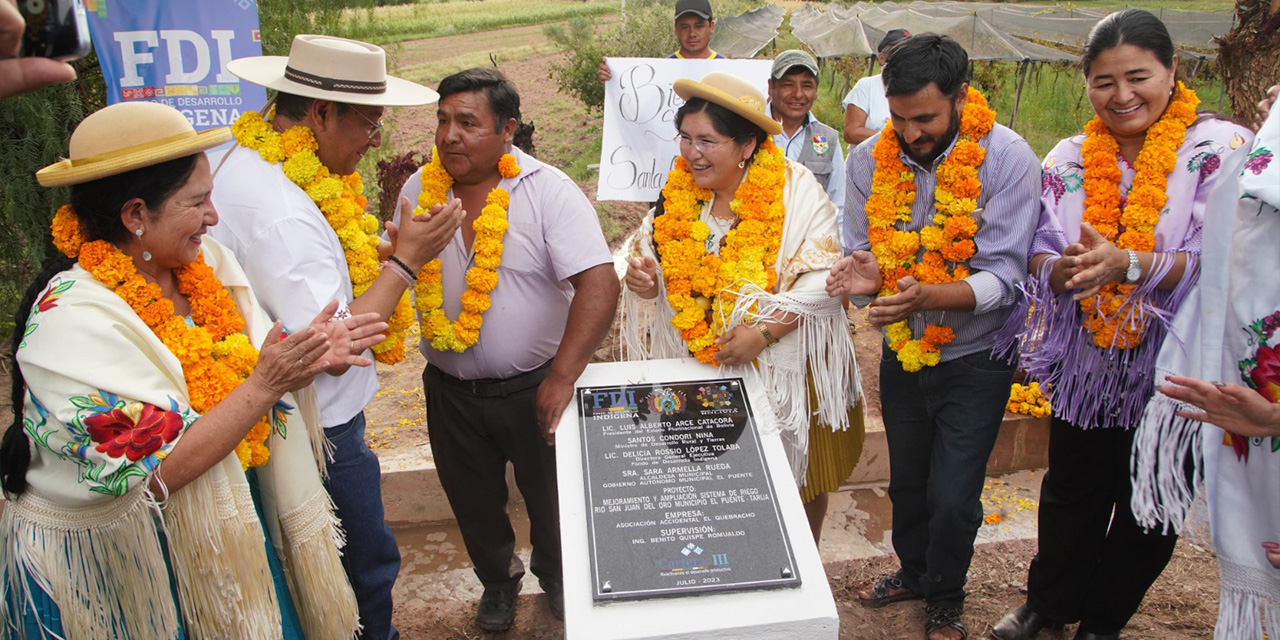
x=701 y=286
x=948 y=243
x=490 y=227
x=215 y=354
x=1141 y=212
x=341 y=200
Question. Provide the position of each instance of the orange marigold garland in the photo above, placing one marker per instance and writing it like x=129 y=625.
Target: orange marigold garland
x=341 y=200
x=948 y=243
x=702 y=287
x=215 y=354
x=490 y=227
x=1132 y=227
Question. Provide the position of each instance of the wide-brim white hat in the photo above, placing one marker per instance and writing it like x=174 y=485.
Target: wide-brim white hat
x=127 y=136
x=732 y=93
x=337 y=69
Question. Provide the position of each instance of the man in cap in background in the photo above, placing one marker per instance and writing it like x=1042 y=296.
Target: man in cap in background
x=694 y=26
x=793 y=86
x=330 y=97
x=866 y=110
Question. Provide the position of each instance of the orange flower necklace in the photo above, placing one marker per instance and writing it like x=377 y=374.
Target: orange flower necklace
x=215 y=354
x=490 y=227
x=1141 y=212
x=341 y=200
x=702 y=287
x=948 y=243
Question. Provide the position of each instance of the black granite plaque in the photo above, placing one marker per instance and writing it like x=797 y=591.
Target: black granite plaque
x=679 y=498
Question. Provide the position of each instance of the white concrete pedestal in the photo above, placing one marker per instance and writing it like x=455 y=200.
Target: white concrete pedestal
x=804 y=613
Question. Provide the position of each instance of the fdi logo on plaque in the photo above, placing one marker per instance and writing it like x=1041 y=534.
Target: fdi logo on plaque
x=680 y=500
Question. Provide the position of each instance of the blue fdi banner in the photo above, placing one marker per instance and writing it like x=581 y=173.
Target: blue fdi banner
x=176 y=53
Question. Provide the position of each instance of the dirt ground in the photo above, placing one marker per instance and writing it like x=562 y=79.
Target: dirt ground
x=1181 y=606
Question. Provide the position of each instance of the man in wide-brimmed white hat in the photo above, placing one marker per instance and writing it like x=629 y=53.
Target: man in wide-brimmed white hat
x=292 y=212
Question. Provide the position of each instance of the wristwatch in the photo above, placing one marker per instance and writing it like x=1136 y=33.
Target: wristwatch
x=769 y=340
x=1134 y=271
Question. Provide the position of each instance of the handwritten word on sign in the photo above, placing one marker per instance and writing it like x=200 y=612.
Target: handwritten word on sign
x=640 y=106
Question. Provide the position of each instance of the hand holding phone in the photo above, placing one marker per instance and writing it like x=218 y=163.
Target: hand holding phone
x=20 y=75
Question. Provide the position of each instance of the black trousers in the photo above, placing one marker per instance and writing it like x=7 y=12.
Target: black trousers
x=1094 y=563
x=940 y=423
x=475 y=428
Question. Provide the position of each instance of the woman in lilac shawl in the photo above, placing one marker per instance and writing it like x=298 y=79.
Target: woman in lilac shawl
x=1094 y=562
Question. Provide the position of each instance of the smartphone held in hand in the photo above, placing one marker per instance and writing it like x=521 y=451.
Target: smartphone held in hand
x=56 y=29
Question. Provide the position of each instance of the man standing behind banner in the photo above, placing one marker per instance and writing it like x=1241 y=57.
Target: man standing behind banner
x=793 y=86
x=694 y=27
x=511 y=313
x=289 y=198
x=942 y=208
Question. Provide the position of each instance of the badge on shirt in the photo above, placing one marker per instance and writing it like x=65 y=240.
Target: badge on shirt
x=820 y=144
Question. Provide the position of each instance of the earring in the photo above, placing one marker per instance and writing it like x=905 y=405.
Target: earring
x=742 y=165
x=138 y=232
x=146 y=256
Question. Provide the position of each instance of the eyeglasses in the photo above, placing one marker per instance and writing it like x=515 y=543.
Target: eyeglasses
x=374 y=127
x=703 y=146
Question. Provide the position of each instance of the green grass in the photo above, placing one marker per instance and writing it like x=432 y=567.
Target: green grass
x=399 y=23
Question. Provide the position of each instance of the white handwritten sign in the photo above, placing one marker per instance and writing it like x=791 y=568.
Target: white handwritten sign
x=639 y=120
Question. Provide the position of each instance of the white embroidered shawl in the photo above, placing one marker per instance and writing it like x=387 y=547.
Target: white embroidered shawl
x=86 y=529
x=820 y=347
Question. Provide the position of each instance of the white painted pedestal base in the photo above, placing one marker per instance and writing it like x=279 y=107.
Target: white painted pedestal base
x=804 y=613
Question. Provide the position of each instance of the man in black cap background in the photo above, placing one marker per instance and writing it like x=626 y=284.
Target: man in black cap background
x=866 y=110
x=694 y=26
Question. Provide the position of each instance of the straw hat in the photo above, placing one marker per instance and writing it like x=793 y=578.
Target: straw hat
x=127 y=136
x=732 y=93
x=337 y=69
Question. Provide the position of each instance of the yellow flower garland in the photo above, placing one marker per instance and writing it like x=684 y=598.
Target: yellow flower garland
x=341 y=200
x=490 y=227
x=1028 y=400
x=215 y=354
x=1138 y=219
x=702 y=287
x=948 y=243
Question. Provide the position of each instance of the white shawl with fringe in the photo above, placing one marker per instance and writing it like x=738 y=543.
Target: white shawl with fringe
x=1226 y=328
x=86 y=530
x=821 y=345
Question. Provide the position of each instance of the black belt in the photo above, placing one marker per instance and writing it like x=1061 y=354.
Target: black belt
x=493 y=387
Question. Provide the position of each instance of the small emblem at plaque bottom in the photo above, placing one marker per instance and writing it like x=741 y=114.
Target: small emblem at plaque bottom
x=607 y=587
x=786 y=572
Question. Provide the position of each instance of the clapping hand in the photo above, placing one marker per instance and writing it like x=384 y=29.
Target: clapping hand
x=890 y=309
x=348 y=337
x=21 y=75
x=642 y=277
x=856 y=274
x=740 y=345
x=1092 y=263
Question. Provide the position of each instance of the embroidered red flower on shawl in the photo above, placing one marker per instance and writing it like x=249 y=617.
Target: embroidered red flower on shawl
x=134 y=431
x=1266 y=375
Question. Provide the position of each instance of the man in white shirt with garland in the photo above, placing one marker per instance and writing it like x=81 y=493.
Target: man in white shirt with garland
x=511 y=313
x=303 y=240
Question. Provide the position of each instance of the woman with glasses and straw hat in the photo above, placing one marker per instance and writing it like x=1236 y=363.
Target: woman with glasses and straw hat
x=735 y=256
x=162 y=468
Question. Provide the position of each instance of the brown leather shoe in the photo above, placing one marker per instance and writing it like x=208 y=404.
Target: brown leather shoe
x=1021 y=624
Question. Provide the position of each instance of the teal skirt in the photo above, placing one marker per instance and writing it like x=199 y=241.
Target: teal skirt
x=40 y=618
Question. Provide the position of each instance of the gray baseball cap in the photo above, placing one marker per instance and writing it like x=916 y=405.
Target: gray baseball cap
x=792 y=58
x=701 y=8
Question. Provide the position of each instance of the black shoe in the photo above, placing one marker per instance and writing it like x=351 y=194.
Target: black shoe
x=1081 y=634
x=1021 y=624
x=497 y=609
x=555 y=598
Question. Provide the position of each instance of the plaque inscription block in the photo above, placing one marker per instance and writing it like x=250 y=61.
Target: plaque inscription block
x=679 y=498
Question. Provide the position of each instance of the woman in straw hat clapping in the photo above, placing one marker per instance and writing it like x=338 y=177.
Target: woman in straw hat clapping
x=736 y=255
x=161 y=468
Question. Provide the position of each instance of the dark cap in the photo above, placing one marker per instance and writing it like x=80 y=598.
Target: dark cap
x=892 y=37
x=701 y=8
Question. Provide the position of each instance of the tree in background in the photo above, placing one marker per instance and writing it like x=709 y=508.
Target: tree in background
x=1249 y=55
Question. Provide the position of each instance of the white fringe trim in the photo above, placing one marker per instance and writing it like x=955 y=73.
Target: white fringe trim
x=1249 y=602
x=313 y=567
x=1162 y=497
x=103 y=566
x=220 y=561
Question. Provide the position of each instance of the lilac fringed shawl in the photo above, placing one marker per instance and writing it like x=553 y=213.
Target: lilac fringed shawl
x=1090 y=386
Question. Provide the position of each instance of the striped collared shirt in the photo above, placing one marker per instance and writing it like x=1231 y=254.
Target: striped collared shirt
x=1008 y=211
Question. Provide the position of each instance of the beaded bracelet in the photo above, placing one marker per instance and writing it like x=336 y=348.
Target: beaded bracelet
x=400 y=263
